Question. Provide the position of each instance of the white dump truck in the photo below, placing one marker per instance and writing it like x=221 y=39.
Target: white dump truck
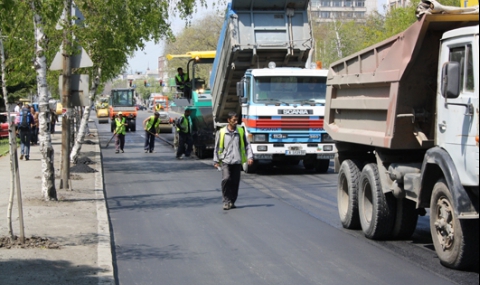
x=404 y=115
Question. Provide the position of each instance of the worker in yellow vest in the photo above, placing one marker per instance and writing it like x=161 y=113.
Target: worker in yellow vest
x=120 y=131
x=232 y=149
x=150 y=125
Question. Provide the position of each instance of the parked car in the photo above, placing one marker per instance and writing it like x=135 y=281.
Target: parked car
x=140 y=107
x=4 y=123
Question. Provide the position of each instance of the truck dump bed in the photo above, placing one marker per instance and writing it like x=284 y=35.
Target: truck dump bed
x=256 y=33
x=384 y=96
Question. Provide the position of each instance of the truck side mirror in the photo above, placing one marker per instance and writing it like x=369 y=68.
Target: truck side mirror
x=451 y=80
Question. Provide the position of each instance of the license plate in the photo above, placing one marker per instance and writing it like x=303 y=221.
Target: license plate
x=295 y=152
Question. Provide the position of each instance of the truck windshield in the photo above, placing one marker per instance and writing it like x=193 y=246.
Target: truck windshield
x=122 y=98
x=290 y=90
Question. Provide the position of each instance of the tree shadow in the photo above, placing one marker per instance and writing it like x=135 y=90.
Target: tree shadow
x=42 y=271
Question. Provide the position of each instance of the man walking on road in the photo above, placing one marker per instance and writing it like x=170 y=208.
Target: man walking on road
x=150 y=125
x=232 y=149
x=184 y=130
x=120 y=132
x=24 y=127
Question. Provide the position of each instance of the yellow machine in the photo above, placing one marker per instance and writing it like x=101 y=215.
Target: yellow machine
x=102 y=111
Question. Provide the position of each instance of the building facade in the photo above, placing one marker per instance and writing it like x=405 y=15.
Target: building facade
x=330 y=10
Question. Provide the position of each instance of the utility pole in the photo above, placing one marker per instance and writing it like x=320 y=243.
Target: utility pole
x=67 y=116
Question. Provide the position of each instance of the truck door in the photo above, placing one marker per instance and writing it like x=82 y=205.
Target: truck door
x=457 y=120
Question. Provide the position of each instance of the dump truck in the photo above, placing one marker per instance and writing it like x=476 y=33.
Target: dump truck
x=404 y=116
x=123 y=100
x=203 y=128
x=263 y=73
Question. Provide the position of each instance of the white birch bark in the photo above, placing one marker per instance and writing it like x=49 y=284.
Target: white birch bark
x=11 y=140
x=83 y=124
x=49 y=191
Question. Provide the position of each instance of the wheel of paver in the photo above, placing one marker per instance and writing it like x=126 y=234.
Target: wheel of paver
x=376 y=210
x=322 y=165
x=250 y=168
x=406 y=218
x=347 y=194
x=200 y=152
x=455 y=240
x=112 y=126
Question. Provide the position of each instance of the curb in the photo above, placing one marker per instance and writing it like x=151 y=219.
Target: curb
x=104 y=247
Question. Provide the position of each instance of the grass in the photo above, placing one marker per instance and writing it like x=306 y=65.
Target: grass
x=4 y=146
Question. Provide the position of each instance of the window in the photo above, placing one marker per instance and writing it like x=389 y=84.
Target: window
x=325 y=3
x=325 y=15
x=464 y=56
x=348 y=3
x=360 y=4
x=337 y=3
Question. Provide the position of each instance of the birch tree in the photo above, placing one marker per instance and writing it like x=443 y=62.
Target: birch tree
x=48 y=171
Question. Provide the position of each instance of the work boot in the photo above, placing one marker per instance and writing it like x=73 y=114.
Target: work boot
x=231 y=205
x=226 y=206
x=123 y=151
x=116 y=151
x=27 y=157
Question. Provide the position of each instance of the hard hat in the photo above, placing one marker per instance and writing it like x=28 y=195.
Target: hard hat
x=120 y=113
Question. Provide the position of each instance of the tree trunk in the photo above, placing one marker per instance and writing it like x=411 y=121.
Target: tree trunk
x=49 y=191
x=83 y=125
x=11 y=140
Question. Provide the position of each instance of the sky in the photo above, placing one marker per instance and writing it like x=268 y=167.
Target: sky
x=148 y=58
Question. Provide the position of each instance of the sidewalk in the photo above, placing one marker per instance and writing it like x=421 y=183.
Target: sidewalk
x=78 y=249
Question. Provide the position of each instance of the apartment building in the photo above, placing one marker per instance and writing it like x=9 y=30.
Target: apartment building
x=329 y=10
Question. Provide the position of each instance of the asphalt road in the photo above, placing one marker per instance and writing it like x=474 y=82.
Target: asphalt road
x=169 y=227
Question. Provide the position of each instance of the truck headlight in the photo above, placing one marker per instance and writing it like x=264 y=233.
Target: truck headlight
x=327 y=138
x=262 y=148
x=327 y=147
x=259 y=138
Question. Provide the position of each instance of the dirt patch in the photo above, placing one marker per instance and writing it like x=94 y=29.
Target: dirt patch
x=32 y=242
x=82 y=166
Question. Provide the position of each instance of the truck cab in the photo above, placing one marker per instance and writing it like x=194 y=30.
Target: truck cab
x=123 y=100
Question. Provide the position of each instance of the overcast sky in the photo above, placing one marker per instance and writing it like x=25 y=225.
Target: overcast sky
x=148 y=58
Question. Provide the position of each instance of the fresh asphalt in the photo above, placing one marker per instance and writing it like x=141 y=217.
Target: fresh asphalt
x=168 y=227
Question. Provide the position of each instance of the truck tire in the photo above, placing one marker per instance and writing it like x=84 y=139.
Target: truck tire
x=322 y=165
x=200 y=152
x=455 y=240
x=112 y=126
x=406 y=218
x=347 y=194
x=376 y=210
x=250 y=168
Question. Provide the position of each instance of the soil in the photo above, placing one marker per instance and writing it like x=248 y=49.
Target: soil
x=32 y=242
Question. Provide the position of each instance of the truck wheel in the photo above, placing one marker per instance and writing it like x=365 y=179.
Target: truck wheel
x=322 y=165
x=347 y=194
x=376 y=210
x=112 y=126
x=455 y=240
x=406 y=218
x=250 y=168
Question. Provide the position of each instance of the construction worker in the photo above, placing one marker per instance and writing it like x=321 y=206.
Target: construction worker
x=232 y=149
x=120 y=132
x=183 y=84
x=184 y=130
x=151 y=126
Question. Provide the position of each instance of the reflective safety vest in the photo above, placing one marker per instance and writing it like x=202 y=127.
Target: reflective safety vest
x=150 y=123
x=186 y=126
x=182 y=80
x=120 y=129
x=221 y=146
